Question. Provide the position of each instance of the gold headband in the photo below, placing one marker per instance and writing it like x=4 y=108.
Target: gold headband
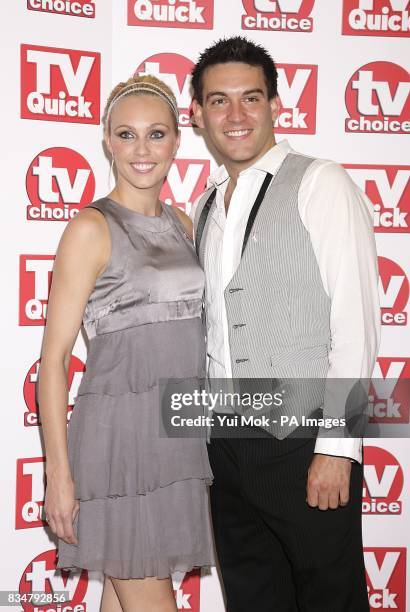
x=151 y=88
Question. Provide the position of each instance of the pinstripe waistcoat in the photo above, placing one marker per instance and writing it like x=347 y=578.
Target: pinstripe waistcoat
x=277 y=309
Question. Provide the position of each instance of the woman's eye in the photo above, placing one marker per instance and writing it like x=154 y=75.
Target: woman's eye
x=157 y=135
x=125 y=135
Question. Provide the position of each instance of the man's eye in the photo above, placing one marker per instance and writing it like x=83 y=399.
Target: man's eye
x=252 y=99
x=218 y=101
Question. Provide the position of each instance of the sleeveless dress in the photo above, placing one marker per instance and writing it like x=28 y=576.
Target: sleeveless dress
x=143 y=496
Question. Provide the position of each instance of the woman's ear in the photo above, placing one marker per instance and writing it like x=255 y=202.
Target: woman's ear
x=107 y=141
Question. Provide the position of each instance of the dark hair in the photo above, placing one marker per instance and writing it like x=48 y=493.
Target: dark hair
x=235 y=49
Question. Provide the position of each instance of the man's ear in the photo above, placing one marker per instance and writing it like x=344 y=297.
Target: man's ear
x=197 y=113
x=275 y=105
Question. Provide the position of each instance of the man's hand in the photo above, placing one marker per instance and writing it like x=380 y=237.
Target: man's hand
x=328 y=482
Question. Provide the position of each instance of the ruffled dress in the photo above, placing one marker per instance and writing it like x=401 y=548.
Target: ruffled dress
x=143 y=494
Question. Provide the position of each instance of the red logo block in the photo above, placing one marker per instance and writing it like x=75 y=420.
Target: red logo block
x=30 y=489
x=41 y=575
x=59 y=183
x=393 y=291
x=175 y=71
x=187 y=593
x=75 y=374
x=297 y=86
x=383 y=482
x=187 y=14
x=185 y=182
x=376 y=18
x=388 y=188
x=389 y=400
x=278 y=15
x=60 y=84
x=377 y=99
x=386 y=578
x=35 y=282
x=75 y=8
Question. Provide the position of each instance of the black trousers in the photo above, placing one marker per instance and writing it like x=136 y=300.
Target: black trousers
x=276 y=553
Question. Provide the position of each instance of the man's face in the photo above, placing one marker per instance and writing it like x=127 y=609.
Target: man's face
x=236 y=113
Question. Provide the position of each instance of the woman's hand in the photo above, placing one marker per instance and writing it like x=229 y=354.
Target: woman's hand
x=61 y=507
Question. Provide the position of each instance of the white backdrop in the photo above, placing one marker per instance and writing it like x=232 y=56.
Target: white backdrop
x=343 y=66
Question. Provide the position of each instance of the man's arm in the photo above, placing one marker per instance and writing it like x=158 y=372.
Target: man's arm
x=338 y=217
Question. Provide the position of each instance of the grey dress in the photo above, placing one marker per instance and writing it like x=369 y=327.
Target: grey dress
x=143 y=496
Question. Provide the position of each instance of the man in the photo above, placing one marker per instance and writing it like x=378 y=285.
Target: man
x=287 y=245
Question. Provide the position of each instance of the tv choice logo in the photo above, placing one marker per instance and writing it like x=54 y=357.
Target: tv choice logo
x=59 y=182
x=75 y=373
x=386 y=578
x=187 y=591
x=175 y=71
x=185 y=14
x=75 y=8
x=376 y=18
x=383 y=482
x=393 y=292
x=41 y=575
x=388 y=188
x=35 y=282
x=377 y=99
x=297 y=87
x=185 y=182
x=60 y=84
x=389 y=398
x=278 y=15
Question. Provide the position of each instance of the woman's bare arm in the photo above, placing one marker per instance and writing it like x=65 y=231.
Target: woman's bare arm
x=82 y=254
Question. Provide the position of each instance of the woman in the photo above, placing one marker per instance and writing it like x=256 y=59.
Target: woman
x=122 y=499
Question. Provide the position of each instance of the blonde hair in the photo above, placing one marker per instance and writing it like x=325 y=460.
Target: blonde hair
x=141 y=85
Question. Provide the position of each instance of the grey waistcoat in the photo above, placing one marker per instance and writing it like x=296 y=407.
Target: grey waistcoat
x=277 y=309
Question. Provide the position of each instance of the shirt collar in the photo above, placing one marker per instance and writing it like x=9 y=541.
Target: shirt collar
x=270 y=162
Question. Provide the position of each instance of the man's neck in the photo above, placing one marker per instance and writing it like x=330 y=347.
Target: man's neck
x=234 y=169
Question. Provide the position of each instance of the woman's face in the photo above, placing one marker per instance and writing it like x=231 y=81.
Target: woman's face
x=142 y=139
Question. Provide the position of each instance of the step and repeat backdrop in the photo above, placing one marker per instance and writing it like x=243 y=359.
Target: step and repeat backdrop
x=344 y=86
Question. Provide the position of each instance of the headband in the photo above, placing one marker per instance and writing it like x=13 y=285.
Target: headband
x=151 y=88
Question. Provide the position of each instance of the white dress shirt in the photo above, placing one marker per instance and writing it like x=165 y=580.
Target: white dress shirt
x=338 y=217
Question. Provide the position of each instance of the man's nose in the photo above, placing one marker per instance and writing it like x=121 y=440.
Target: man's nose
x=236 y=111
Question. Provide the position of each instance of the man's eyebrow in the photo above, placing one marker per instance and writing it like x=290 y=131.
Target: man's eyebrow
x=244 y=93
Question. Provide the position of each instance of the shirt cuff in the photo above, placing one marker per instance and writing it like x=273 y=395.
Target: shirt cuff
x=340 y=447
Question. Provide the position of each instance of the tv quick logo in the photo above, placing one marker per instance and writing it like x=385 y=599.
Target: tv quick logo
x=30 y=490
x=389 y=397
x=185 y=182
x=376 y=18
x=377 y=99
x=187 y=14
x=175 y=71
x=386 y=578
x=187 y=592
x=75 y=8
x=41 y=575
x=383 y=482
x=393 y=292
x=35 y=282
x=297 y=87
x=59 y=183
x=388 y=188
x=75 y=375
x=60 y=84
x=278 y=15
